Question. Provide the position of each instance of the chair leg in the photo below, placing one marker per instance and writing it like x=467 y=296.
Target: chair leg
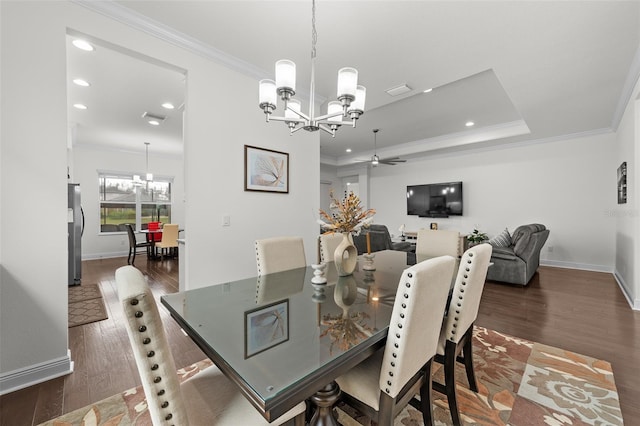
x=299 y=420
x=133 y=258
x=129 y=257
x=385 y=412
x=426 y=405
x=450 y=380
x=467 y=351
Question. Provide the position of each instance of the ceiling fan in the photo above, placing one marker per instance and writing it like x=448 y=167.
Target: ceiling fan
x=375 y=160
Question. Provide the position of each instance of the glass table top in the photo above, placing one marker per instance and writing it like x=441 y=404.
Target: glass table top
x=273 y=332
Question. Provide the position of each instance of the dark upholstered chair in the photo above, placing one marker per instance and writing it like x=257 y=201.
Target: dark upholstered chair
x=134 y=245
x=380 y=240
x=517 y=263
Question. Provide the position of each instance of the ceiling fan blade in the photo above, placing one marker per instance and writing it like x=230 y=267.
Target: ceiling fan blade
x=392 y=161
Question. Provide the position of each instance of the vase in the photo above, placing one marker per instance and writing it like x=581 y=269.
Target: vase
x=345 y=293
x=345 y=256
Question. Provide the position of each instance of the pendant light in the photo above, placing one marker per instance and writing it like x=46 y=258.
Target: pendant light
x=149 y=177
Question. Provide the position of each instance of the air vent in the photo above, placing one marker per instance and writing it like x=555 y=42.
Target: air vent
x=151 y=116
x=398 y=90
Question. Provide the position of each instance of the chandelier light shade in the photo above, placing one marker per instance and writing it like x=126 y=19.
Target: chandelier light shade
x=351 y=96
x=347 y=83
x=286 y=78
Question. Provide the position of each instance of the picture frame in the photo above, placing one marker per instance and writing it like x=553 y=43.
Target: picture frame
x=434 y=226
x=265 y=170
x=622 y=183
x=266 y=327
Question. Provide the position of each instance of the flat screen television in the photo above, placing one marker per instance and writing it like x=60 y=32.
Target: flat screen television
x=435 y=199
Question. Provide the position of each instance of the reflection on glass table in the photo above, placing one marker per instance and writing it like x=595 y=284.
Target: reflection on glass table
x=305 y=355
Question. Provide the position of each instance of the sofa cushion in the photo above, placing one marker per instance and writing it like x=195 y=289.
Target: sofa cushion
x=503 y=253
x=503 y=239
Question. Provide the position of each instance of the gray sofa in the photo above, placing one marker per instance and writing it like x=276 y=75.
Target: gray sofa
x=380 y=240
x=517 y=263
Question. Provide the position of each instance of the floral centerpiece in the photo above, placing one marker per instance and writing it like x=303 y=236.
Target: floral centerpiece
x=347 y=215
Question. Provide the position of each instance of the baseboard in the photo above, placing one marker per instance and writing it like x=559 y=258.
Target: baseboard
x=34 y=374
x=574 y=265
x=635 y=304
x=94 y=256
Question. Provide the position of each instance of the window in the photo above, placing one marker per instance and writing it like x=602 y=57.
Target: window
x=122 y=201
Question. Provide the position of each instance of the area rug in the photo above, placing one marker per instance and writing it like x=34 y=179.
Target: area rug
x=520 y=383
x=86 y=305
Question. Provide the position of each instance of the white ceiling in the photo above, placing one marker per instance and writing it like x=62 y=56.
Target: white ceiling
x=520 y=70
x=123 y=86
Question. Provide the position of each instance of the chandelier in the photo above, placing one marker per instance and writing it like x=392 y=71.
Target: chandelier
x=350 y=103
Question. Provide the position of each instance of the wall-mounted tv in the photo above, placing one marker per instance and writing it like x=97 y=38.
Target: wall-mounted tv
x=435 y=199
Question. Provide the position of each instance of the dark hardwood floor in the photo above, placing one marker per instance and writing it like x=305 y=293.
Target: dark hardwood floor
x=581 y=311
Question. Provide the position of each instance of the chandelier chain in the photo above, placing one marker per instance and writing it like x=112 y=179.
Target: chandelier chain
x=314 y=33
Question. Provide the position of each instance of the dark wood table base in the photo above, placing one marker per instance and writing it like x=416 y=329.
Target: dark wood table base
x=325 y=400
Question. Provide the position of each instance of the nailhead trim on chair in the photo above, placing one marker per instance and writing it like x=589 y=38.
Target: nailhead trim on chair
x=469 y=256
x=146 y=340
x=398 y=334
x=258 y=259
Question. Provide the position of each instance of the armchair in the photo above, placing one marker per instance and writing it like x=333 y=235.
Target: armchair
x=380 y=240
x=518 y=262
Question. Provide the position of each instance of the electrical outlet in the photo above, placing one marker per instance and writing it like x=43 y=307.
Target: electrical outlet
x=226 y=221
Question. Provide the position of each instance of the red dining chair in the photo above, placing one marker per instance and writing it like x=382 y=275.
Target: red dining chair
x=153 y=226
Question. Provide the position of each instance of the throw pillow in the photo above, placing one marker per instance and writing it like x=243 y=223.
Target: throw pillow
x=503 y=239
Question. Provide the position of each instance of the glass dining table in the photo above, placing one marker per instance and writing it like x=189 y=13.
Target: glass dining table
x=283 y=339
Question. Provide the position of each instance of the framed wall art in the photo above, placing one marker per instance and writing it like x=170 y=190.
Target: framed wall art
x=622 y=183
x=265 y=170
x=266 y=327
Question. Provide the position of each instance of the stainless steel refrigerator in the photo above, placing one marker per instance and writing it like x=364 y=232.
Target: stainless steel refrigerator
x=76 y=228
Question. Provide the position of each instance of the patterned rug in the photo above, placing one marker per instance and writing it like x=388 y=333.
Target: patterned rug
x=86 y=305
x=520 y=383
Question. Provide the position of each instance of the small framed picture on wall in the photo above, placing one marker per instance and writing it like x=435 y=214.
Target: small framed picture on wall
x=622 y=183
x=434 y=226
x=265 y=170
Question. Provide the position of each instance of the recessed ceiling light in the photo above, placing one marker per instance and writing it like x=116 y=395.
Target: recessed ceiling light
x=428 y=90
x=80 y=106
x=469 y=123
x=154 y=122
x=348 y=150
x=168 y=105
x=83 y=44
x=81 y=82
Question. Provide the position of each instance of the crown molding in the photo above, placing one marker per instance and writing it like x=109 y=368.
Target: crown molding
x=466 y=139
x=166 y=33
x=633 y=76
x=157 y=29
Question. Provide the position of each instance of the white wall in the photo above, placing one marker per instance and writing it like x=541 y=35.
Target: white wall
x=87 y=161
x=627 y=230
x=214 y=173
x=33 y=280
x=569 y=186
x=221 y=116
